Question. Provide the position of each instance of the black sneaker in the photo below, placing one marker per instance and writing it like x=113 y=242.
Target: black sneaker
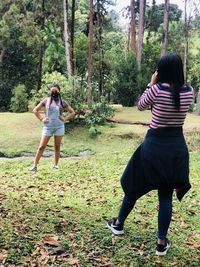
x=117 y=229
x=161 y=250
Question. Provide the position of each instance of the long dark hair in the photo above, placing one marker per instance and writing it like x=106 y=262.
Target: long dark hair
x=57 y=86
x=170 y=70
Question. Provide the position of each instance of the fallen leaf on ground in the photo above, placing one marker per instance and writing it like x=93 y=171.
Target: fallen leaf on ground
x=73 y=261
x=193 y=244
x=174 y=263
x=3 y=255
x=113 y=241
x=51 y=240
x=183 y=224
x=44 y=254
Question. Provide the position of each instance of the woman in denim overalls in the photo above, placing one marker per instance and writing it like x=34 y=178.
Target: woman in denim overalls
x=53 y=123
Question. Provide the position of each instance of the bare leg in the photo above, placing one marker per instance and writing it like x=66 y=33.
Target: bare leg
x=57 y=142
x=43 y=142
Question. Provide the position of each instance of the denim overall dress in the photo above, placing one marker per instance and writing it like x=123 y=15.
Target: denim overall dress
x=54 y=126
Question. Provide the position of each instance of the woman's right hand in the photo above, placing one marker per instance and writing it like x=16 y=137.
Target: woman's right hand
x=154 y=78
x=45 y=119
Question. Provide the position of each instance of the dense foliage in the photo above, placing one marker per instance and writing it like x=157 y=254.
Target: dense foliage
x=32 y=49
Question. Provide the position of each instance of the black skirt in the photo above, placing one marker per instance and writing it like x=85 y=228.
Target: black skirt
x=161 y=161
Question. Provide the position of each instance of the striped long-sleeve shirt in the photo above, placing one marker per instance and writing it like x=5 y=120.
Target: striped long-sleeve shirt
x=164 y=113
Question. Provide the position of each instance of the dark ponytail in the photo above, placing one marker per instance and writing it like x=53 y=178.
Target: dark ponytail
x=61 y=101
x=51 y=100
x=175 y=91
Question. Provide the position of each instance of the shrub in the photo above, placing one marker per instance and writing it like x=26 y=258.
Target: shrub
x=93 y=131
x=98 y=113
x=19 y=100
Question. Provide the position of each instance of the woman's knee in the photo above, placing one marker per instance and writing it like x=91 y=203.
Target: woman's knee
x=41 y=147
x=57 y=148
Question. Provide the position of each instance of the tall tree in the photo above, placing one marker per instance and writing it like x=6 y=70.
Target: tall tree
x=102 y=24
x=132 y=26
x=72 y=33
x=151 y=17
x=142 y=4
x=129 y=38
x=68 y=53
x=185 y=41
x=198 y=103
x=42 y=45
x=165 y=28
x=90 y=53
x=99 y=45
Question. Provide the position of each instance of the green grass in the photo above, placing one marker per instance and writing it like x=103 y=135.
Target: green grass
x=21 y=133
x=74 y=203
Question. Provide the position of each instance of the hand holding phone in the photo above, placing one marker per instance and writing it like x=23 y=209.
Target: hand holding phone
x=154 y=78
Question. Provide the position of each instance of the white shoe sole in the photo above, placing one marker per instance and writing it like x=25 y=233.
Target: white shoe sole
x=33 y=171
x=116 y=232
x=158 y=253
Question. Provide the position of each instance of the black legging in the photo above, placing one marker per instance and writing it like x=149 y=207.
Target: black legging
x=164 y=213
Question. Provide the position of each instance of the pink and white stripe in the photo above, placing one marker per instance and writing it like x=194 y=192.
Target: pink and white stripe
x=164 y=112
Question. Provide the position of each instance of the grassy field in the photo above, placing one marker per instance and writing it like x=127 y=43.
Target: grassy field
x=20 y=133
x=58 y=218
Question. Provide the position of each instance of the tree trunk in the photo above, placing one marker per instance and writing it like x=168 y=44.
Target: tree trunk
x=151 y=21
x=90 y=53
x=128 y=43
x=132 y=28
x=186 y=43
x=67 y=39
x=198 y=102
x=99 y=45
x=3 y=51
x=140 y=32
x=42 y=47
x=165 y=28
x=72 y=34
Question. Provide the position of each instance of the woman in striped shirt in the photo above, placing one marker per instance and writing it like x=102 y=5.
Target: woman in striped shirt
x=162 y=161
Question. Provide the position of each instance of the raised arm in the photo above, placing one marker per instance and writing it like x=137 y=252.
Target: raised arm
x=148 y=97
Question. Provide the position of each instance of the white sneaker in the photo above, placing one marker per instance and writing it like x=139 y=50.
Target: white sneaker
x=55 y=167
x=161 y=250
x=33 y=169
x=117 y=229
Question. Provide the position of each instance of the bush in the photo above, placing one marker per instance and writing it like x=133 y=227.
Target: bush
x=93 y=131
x=19 y=100
x=98 y=113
